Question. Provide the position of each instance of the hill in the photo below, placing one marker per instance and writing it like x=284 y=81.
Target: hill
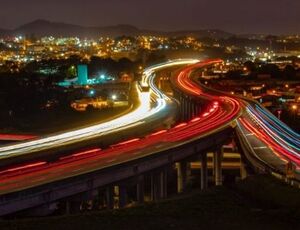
x=41 y=28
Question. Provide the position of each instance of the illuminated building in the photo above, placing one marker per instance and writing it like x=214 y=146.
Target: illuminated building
x=82 y=74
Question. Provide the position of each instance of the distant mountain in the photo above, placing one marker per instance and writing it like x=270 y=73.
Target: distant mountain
x=45 y=28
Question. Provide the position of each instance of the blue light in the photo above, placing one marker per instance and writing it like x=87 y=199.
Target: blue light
x=92 y=92
x=82 y=72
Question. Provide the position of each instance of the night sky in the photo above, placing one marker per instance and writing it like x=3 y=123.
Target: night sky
x=238 y=16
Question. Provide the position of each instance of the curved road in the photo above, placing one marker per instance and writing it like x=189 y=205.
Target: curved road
x=210 y=121
x=132 y=119
x=221 y=112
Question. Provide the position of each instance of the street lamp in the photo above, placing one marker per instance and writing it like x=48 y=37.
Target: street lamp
x=102 y=77
x=114 y=97
x=294 y=110
x=92 y=93
x=294 y=107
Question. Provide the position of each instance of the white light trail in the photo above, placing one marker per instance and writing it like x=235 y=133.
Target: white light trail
x=131 y=119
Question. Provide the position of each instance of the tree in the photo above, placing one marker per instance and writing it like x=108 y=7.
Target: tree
x=289 y=72
x=251 y=67
x=271 y=69
x=125 y=64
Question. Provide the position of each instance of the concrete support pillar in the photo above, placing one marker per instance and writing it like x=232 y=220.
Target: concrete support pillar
x=197 y=110
x=190 y=112
x=180 y=101
x=181 y=108
x=204 y=180
x=179 y=178
x=188 y=109
x=218 y=167
x=122 y=196
x=153 y=187
x=184 y=109
x=163 y=184
x=140 y=189
x=243 y=171
x=109 y=197
x=194 y=113
x=99 y=200
x=213 y=165
x=183 y=175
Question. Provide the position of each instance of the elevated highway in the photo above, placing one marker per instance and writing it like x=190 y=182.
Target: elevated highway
x=160 y=149
x=269 y=145
x=208 y=119
x=152 y=107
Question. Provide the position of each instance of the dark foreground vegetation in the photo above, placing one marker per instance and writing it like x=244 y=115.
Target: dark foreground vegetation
x=259 y=202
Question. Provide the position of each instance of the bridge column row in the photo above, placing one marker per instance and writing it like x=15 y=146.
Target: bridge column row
x=188 y=108
x=116 y=196
x=184 y=171
x=159 y=179
x=159 y=185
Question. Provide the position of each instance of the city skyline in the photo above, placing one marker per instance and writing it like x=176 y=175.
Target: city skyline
x=268 y=17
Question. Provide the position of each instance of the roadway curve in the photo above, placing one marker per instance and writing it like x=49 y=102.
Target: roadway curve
x=214 y=119
x=268 y=143
x=141 y=115
x=230 y=108
x=221 y=113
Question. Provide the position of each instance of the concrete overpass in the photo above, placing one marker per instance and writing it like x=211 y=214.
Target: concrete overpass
x=108 y=178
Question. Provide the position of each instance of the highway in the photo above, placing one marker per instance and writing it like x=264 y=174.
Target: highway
x=230 y=107
x=32 y=175
x=133 y=119
x=213 y=119
x=270 y=143
x=221 y=112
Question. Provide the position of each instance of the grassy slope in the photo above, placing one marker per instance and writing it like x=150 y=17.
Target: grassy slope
x=260 y=202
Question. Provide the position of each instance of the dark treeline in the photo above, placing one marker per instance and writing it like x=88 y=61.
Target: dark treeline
x=256 y=69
